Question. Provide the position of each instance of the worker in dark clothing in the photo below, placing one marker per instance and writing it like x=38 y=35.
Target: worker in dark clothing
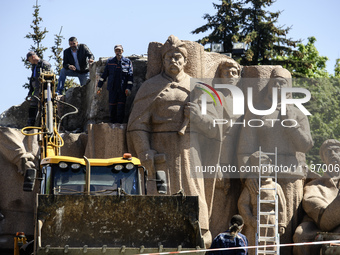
x=119 y=72
x=38 y=66
x=75 y=63
x=231 y=238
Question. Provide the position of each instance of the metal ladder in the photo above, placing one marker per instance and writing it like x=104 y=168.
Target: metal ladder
x=262 y=240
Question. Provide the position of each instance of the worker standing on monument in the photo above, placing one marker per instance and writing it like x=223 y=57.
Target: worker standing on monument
x=76 y=62
x=38 y=66
x=119 y=72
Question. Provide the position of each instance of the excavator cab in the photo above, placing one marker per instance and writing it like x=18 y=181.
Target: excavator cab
x=68 y=176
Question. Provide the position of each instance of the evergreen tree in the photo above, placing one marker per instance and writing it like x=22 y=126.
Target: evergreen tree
x=264 y=38
x=57 y=50
x=37 y=36
x=248 y=21
x=224 y=25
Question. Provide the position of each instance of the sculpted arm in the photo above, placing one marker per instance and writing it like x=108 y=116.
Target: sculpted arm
x=201 y=123
x=141 y=144
x=13 y=150
x=139 y=129
x=322 y=205
x=329 y=218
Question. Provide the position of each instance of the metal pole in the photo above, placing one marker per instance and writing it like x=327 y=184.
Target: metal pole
x=88 y=176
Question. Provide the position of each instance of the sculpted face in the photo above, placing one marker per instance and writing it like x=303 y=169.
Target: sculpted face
x=229 y=72
x=278 y=82
x=332 y=155
x=174 y=62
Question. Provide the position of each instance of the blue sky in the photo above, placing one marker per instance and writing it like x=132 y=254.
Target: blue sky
x=103 y=23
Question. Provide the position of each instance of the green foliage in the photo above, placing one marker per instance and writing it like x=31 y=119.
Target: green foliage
x=248 y=21
x=325 y=109
x=337 y=68
x=306 y=61
x=37 y=36
x=57 y=50
x=70 y=83
x=265 y=39
x=324 y=105
x=224 y=25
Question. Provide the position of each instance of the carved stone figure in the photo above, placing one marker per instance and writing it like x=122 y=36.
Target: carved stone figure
x=161 y=109
x=321 y=201
x=227 y=187
x=247 y=205
x=291 y=140
x=229 y=72
x=17 y=153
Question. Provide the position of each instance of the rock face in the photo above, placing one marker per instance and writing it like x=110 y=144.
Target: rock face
x=10 y=118
x=106 y=140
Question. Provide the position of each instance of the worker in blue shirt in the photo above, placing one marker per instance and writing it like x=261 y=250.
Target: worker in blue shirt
x=119 y=72
x=231 y=238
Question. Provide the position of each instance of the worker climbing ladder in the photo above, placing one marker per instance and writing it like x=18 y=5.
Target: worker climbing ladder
x=267 y=207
